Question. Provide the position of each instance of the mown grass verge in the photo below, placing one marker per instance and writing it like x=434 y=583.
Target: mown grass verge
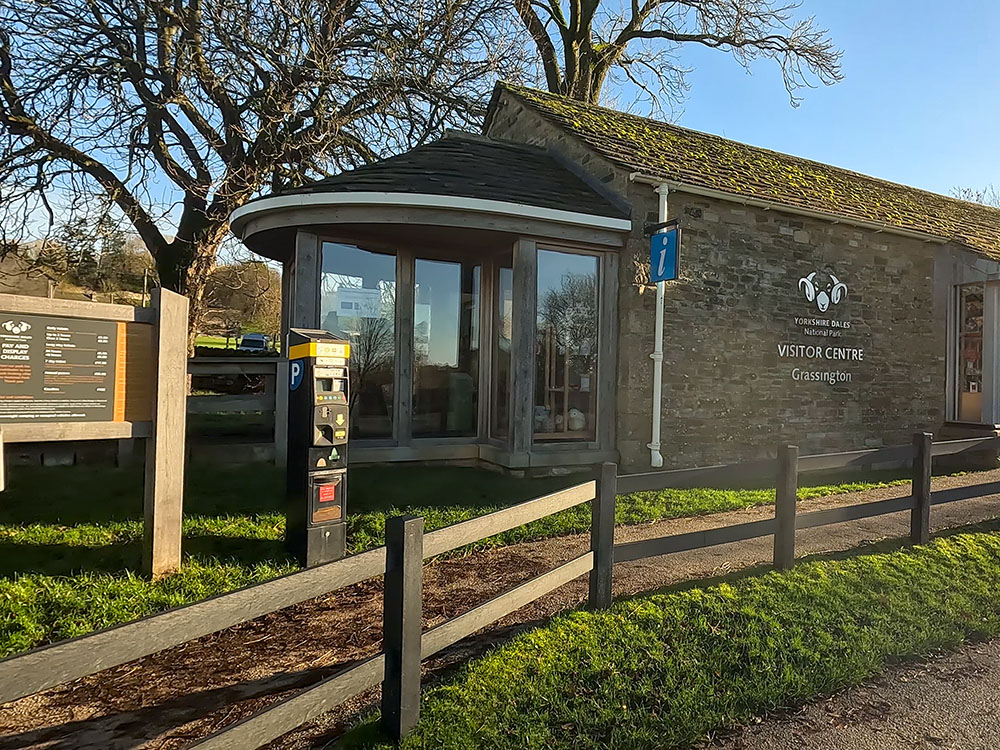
x=663 y=671
x=70 y=539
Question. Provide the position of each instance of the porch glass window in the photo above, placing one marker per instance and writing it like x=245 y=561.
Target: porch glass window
x=566 y=332
x=503 y=329
x=358 y=303
x=970 y=353
x=445 y=348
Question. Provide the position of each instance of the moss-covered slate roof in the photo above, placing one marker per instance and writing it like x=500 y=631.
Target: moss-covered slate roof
x=470 y=166
x=699 y=159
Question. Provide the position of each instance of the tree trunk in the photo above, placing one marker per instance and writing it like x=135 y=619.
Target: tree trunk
x=184 y=268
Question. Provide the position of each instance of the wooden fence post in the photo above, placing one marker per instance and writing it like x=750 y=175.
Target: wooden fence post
x=784 y=507
x=920 y=516
x=163 y=487
x=602 y=537
x=401 y=628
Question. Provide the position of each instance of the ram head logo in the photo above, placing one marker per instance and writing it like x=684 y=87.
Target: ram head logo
x=831 y=294
x=16 y=327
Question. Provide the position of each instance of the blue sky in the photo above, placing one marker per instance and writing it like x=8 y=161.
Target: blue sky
x=919 y=103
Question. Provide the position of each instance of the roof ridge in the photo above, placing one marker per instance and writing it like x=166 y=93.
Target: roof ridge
x=525 y=94
x=463 y=135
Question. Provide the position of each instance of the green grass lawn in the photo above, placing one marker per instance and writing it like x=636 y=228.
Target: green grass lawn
x=219 y=342
x=216 y=342
x=70 y=538
x=663 y=671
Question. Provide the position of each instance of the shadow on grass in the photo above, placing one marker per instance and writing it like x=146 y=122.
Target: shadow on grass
x=66 y=559
x=70 y=495
x=91 y=494
x=64 y=497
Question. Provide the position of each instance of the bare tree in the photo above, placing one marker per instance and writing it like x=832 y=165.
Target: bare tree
x=569 y=311
x=988 y=196
x=583 y=43
x=252 y=290
x=181 y=110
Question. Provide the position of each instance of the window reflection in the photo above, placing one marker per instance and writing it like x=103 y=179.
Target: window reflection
x=445 y=348
x=503 y=317
x=566 y=347
x=358 y=302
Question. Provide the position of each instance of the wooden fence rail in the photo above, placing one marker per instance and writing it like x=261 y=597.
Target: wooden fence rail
x=405 y=646
x=787 y=521
x=272 y=400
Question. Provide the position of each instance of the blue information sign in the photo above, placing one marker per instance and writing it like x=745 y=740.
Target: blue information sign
x=664 y=251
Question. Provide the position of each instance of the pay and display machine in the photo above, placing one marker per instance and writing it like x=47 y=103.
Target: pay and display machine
x=318 y=425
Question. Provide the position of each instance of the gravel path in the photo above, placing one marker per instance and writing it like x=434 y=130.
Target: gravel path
x=948 y=702
x=176 y=696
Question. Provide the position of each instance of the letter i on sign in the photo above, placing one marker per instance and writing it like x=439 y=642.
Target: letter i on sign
x=663 y=255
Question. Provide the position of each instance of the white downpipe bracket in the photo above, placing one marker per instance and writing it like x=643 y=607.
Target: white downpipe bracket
x=655 y=457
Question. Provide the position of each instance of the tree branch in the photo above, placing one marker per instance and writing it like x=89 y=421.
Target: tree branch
x=17 y=120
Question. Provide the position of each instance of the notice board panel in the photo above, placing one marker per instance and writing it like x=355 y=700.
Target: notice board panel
x=59 y=369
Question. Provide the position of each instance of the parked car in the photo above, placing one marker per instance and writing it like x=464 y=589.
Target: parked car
x=254 y=342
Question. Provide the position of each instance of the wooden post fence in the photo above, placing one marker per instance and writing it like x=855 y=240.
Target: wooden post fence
x=602 y=537
x=920 y=516
x=401 y=626
x=784 y=507
x=401 y=560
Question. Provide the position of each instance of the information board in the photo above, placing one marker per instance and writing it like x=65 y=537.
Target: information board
x=56 y=369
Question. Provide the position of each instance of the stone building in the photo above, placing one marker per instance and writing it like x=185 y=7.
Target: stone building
x=496 y=290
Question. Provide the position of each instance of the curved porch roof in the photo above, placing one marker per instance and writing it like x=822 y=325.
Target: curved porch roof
x=461 y=181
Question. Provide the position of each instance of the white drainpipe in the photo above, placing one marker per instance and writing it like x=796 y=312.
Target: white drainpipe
x=655 y=458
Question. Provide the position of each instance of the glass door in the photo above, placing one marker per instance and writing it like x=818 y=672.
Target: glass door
x=566 y=331
x=445 y=348
x=969 y=378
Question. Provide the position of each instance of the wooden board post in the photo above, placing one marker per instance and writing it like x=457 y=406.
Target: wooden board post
x=163 y=501
x=3 y=474
x=920 y=516
x=784 y=507
x=602 y=537
x=401 y=613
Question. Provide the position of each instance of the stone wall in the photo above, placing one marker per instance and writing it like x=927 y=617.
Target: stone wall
x=732 y=390
x=729 y=393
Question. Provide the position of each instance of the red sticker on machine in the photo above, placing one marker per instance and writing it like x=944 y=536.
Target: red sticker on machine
x=327 y=493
